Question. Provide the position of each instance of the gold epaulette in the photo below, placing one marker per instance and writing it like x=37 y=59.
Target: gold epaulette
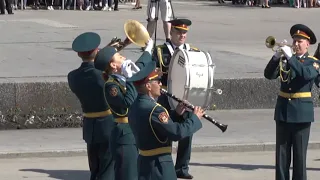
x=312 y=57
x=194 y=48
x=161 y=46
x=160 y=59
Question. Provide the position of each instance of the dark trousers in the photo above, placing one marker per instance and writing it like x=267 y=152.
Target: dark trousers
x=124 y=152
x=184 y=145
x=98 y=1
x=183 y=156
x=8 y=6
x=295 y=136
x=158 y=167
x=101 y=163
x=125 y=157
x=116 y=2
x=78 y=3
x=36 y=2
x=48 y=2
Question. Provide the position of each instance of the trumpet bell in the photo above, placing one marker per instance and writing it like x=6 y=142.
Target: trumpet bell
x=270 y=42
x=136 y=33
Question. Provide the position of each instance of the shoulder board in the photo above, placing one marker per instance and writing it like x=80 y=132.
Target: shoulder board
x=194 y=48
x=312 y=57
x=161 y=46
x=112 y=78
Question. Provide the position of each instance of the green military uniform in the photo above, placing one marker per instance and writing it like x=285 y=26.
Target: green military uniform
x=154 y=131
x=162 y=55
x=120 y=95
x=294 y=109
x=87 y=84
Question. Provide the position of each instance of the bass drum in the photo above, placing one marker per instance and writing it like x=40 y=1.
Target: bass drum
x=190 y=78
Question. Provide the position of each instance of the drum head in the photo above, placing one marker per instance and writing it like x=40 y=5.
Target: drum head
x=190 y=77
x=177 y=74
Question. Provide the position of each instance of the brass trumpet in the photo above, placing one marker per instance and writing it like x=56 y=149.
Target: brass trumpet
x=135 y=32
x=271 y=43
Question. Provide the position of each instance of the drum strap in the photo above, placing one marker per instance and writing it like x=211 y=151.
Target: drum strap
x=187 y=46
x=170 y=48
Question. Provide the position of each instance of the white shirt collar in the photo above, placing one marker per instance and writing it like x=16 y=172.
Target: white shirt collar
x=174 y=47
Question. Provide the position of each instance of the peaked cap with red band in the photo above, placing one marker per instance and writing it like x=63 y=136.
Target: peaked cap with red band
x=302 y=31
x=146 y=74
x=181 y=24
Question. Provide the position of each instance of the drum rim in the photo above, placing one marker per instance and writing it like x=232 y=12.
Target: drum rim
x=210 y=91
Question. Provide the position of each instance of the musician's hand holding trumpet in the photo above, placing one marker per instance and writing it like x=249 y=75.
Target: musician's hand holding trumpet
x=283 y=50
x=182 y=107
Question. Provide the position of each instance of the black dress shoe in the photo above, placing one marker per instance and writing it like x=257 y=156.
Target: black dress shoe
x=184 y=176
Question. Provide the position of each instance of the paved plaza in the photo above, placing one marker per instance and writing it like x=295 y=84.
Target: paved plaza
x=38 y=43
x=248 y=130
x=204 y=166
x=36 y=46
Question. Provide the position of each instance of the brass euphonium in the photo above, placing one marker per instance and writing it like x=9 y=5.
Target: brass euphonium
x=135 y=32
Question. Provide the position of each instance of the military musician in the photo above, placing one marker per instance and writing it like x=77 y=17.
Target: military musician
x=162 y=55
x=87 y=84
x=120 y=95
x=294 y=111
x=155 y=127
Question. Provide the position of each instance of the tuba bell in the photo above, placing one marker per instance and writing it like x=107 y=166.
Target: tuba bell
x=135 y=32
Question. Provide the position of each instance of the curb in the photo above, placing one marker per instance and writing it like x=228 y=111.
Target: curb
x=196 y=148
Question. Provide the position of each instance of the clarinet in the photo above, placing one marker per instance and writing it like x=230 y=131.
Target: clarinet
x=222 y=127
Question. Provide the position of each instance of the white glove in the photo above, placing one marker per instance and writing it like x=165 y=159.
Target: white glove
x=286 y=51
x=129 y=68
x=149 y=46
x=279 y=53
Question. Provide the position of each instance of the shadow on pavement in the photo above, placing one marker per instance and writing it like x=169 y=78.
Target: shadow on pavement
x=63 y=174
x=64 y=48
x=246 y=167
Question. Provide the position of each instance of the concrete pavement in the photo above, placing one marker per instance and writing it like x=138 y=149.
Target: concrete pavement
x=248 y=130
x=37 y=43
x=36 y=53
x=204 y=166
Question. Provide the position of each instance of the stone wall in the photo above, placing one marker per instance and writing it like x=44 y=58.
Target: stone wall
x=51 y=104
